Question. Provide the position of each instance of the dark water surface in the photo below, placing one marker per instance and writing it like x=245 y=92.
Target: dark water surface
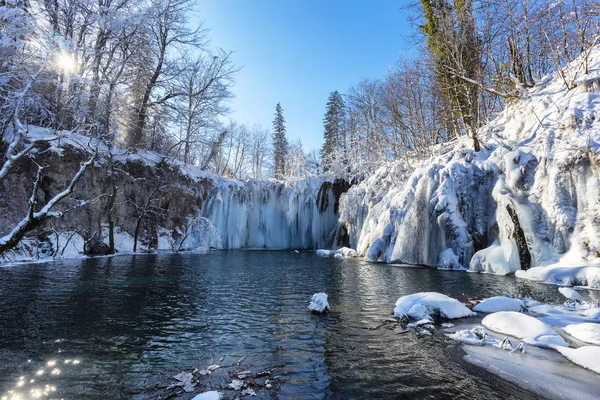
x=121 y=327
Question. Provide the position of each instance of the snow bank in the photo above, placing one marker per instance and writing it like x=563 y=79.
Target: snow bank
x=318 y=303
x=586 y=332
x=529 y=329
x=557 y=274
x=499 y=303
x=427 y=304
x=587 y=356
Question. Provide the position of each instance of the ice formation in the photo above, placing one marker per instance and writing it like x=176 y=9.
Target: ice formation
x=529 y=329
x=529 y=199
x=271 y=214
x=423 y=306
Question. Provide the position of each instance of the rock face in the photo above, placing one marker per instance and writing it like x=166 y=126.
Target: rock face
x=155 y=203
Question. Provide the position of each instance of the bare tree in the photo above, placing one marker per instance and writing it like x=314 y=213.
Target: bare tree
x=34 y=218
x=167 y=29
x=203 y=86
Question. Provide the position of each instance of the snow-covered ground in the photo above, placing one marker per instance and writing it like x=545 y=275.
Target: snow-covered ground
x=546 y=344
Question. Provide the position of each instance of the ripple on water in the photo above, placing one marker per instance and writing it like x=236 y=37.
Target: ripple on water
x=131 y=323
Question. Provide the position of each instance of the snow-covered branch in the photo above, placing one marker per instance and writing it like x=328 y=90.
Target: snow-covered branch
x=35 y=219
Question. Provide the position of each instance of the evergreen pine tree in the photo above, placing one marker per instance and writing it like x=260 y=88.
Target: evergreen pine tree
x=333 y=122
x=280 y=144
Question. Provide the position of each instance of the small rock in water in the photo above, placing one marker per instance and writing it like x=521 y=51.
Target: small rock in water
x=318 y=303
x=212 y=368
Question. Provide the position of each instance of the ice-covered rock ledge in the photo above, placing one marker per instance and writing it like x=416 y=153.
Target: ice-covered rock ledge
x=563 y=275
x=523 y=202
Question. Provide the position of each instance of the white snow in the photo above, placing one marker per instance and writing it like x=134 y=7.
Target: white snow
x=570 y=294
x=499 y=303
x=344 y=252
x=212 y=395
x=592 y=314
x=586 y=332
x=586 y=356
x=427 y=304
x=318 y=303
x=529 y=329
x=564 y=275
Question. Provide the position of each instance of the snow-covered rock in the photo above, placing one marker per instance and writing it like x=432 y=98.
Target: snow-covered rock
x=427 y=304
x=592 y=314
x=587 y=332
x=318 y=303
x=339 y=253
x=236 y=384
x=586 y=356
x=499 y=303
x=529 y=329
x=570 y=294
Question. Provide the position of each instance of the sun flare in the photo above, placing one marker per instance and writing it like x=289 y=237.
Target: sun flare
x=65 y=62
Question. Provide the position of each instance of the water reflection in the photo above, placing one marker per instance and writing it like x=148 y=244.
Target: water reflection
x=121 y=327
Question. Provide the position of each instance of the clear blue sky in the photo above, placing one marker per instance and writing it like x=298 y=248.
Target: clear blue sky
x=298 y=51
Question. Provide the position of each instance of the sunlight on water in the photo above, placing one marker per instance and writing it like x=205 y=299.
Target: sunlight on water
x=39 y=387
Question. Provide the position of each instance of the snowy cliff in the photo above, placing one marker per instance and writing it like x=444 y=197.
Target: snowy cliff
x=161 y=204
x=529 y=198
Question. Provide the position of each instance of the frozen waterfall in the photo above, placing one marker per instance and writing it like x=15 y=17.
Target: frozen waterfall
x=273 y=215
